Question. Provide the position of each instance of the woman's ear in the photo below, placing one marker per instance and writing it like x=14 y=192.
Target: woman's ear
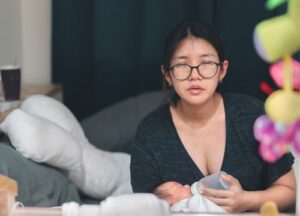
x=223 y=70
x=166 y=75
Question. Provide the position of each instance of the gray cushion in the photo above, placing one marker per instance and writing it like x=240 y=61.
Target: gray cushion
x=113 y=128
x=38 y=184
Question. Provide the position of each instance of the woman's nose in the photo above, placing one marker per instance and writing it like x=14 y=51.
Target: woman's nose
x=194 y=74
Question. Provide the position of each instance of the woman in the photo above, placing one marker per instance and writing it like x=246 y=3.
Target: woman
x=200 y=131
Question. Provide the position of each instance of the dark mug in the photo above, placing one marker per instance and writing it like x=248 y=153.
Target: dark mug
x=11 y=82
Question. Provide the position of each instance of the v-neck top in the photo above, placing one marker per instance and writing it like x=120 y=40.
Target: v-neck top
x=159 y=156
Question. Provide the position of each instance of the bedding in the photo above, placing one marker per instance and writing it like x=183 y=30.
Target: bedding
x=38 y=184
x=111 y=129
x=44 y=130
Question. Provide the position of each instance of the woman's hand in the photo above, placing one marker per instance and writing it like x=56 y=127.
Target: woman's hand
x=232 y=199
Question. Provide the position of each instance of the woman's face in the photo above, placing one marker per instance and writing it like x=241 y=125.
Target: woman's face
x=195 y=90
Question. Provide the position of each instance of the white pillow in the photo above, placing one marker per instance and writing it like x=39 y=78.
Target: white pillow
x=42 y=141
x=44 y=130
x=107 y=173
x=56 y=112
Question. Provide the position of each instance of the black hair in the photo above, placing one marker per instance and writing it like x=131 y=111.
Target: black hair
x=179 y=33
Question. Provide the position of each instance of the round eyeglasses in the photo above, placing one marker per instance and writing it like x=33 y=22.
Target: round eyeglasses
x=206 y=70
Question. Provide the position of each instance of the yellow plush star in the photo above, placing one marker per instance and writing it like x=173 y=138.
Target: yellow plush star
x=275 y=37
x=269 y=209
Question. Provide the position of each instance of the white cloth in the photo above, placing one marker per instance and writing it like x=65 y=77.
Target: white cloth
x=74 y=209
x=44 y=130
x=197 y=203
x=141 y=204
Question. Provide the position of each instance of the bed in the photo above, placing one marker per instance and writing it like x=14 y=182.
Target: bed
x=110 y=129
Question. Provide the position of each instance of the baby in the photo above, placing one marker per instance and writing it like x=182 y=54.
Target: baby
x=184 y=198
x=173 y=192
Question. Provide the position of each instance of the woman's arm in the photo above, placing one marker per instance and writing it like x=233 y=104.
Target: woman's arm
x=282 y=192
x=144 y=171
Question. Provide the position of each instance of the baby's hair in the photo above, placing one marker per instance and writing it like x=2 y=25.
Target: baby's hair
x=162 y=193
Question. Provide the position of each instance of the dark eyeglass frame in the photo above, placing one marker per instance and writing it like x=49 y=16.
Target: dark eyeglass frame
x=198 y=71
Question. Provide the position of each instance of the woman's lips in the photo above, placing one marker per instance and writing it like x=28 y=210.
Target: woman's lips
x=195 y=89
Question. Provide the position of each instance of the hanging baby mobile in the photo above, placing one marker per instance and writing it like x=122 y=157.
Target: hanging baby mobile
x=275 y=41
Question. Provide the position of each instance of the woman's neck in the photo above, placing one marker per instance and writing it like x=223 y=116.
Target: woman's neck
x=199 y=115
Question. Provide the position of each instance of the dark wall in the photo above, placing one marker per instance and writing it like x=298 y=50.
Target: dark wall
x=108 y=50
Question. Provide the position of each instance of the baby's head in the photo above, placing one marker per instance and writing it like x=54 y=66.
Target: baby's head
x=173 y=192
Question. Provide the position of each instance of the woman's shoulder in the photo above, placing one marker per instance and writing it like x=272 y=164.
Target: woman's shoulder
x=243 y=99
x=236 y=102
x=156 y=118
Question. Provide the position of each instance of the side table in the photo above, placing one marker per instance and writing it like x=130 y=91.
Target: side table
x=52 y=90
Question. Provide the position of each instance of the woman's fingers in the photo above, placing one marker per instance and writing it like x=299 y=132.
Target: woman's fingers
x=209 y=192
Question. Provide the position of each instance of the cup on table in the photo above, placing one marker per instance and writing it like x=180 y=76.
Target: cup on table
x=11 y=82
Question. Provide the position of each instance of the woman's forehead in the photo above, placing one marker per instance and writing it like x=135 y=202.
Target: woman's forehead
x=194 y=46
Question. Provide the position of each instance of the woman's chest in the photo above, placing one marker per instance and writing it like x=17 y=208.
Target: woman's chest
x=188 y=157
x=205 y=146
x=177 y=164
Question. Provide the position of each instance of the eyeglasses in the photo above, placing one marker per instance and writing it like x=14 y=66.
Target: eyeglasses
x=206 y=70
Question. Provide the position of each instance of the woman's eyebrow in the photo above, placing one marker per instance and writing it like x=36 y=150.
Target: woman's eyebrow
x=179 y=57
x=201 y=56
x=207 y=55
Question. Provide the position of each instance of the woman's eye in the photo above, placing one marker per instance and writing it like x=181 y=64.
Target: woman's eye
x=181 y=66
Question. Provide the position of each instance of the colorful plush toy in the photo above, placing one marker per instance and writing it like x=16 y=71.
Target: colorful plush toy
x=277 y=39
x=283 y=105
x=275 y=138
x=273 y=38
x=271 y=4
x=269 y=209
x=280 y=128
x=277 y=75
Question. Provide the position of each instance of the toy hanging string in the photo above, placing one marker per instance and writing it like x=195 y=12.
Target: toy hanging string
x=287 y=75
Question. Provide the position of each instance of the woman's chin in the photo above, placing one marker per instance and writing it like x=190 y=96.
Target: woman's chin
x=195 y=100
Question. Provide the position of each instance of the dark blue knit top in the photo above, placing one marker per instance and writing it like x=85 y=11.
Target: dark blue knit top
x=159 y=156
